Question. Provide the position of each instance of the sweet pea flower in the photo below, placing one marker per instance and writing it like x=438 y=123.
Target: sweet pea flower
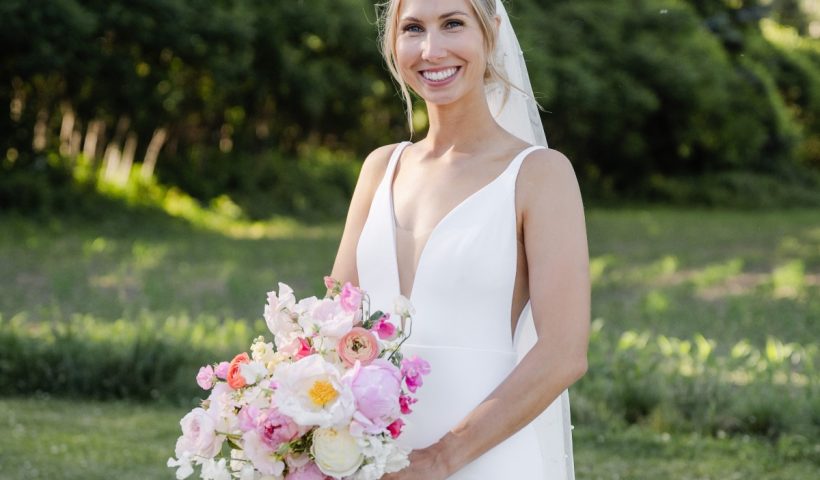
x=358 y=344
x=234 y=377
x=297 y=349
x=261 y=455
x=330 y=282
x=395 y=428
x=221 y=370
x=412 y=370
x=205 y=377
x=404 y=403
x=351 y=297
x=384 y=329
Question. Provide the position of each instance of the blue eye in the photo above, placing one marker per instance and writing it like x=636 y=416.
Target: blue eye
x=407 y=28
x=456 y=22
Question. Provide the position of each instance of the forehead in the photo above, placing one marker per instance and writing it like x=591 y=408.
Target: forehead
x=432 y=9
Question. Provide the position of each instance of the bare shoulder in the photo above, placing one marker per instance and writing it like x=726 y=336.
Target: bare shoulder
x=375 y=164
x=547 y=178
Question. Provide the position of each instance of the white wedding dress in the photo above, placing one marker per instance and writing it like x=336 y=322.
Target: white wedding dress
x=462 y=292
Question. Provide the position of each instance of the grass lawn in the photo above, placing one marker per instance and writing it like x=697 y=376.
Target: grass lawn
x=742 y=286
x=61 y=439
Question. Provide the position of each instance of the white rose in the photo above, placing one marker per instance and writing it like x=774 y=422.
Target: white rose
x=198 y=435
x=337 y=453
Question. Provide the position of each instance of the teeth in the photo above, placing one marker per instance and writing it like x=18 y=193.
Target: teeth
x=440 y=75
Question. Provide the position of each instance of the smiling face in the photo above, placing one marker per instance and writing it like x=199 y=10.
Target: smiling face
x=440 y=49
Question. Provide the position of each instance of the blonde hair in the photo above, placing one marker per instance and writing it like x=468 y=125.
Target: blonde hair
x=388 y=31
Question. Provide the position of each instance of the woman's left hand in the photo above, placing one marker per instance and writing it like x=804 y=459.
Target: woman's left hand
x=425 y=464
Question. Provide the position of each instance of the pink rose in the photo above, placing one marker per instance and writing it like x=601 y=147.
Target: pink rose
x=205 y=377
x=395 y=428
x=351 y=297
x=412 y=370
x=199 y=435
x=376 y=388
x=358 y=344
x=404 y=403
x=221 y=370
x=307 y=472
x=384 y=329
x=299 y=348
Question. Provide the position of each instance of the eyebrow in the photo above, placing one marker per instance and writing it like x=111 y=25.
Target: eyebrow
x=440 y=17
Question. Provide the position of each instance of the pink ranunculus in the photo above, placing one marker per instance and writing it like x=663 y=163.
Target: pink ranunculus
x=205 y=377
x=384 y=329
x=395 y=428
x=358 y=344
x=234 y=377
x=221 y=370
x=412 y=370
x=376 y=388
x=307 y=472
x=275 y=428
x=299 y=348
x=351 y=297
x=404 y=402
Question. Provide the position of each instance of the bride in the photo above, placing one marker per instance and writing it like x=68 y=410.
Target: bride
x=482 y=228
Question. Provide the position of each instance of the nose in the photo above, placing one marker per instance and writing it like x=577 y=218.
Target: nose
x=433 y=47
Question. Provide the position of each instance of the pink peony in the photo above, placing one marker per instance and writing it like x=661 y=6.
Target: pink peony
x=221 y=370
x=384 y=329
x=306 y=472
x=358 y=344
x=351 y=297
x=247 y=418
x=395 y=428
x=261 y=455
x=412 y=370
x=205 y=377
x=404 y=402
x=275 y=428
x=376 y=388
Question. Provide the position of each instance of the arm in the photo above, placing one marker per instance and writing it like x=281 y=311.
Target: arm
x=558 y=264
x=373 y=169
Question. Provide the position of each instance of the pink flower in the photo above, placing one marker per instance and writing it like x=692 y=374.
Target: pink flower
x=351 y=297
x=299 y=348
x=376 y=388
x=412 y=370
x=247 y=418
x=395 y=428
x=307 y=472
x=358 y=344
x=205 y=377
x=199 y=435
x=404 y=402
x=221 y=370
x=261 y=455
x=275 y=428
x=384 y=329
x=329 y=282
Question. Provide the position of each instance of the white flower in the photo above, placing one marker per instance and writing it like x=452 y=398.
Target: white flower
x=403 y=307
x=198 y=435
x=327 y=318
x=311 y=392
x=184 y=468
x=213 y=470
x=278 y=314
x=263 y=458
x=262 y=351
x=337 y=453
x=253 y=371
x=383 y=456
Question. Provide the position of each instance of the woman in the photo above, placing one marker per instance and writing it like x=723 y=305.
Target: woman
x=478 y=242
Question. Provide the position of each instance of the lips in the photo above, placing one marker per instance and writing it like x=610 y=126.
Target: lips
x=439 y=76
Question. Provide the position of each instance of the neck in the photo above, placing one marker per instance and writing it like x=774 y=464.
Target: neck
x=461 y=126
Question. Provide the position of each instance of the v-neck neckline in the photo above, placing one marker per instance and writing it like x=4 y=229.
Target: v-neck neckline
x=393 y=222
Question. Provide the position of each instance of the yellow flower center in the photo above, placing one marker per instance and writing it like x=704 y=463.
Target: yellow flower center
x=322 y=393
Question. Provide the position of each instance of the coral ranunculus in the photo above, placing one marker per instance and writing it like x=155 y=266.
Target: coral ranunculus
x=235 y=378
x=358 y=344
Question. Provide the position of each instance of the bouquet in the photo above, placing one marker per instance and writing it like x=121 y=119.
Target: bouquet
x=324 y=399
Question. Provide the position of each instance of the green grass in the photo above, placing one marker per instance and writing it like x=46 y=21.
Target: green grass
x=58 y=439
x=706 y=329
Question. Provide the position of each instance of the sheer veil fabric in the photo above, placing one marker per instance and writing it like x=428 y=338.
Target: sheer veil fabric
x=520 y=117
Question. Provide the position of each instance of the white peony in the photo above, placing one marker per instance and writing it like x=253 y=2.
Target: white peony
x=199 y=437
x=337 y=453
x=311 y=392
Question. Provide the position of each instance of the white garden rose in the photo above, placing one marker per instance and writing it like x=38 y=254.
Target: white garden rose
x=336 y=451
x=199 y=435
x=311 y=392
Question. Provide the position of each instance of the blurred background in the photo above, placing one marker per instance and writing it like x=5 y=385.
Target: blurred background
x=164 y=163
